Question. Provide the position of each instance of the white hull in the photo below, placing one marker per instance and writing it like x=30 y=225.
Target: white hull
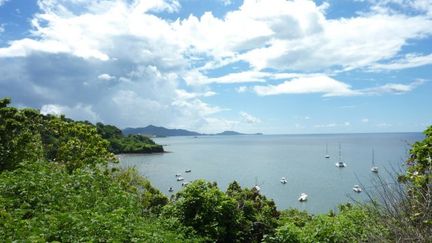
x=340 y=164
x=303 y=197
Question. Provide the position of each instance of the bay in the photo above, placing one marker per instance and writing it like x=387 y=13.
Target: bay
x=263 y=159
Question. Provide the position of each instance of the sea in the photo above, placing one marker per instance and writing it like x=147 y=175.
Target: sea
x=262 y=160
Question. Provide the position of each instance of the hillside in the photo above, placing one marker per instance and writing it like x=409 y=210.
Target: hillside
x=166 y=132
x=159 y=131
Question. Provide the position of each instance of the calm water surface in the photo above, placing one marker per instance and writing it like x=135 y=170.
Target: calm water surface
x=263 y=160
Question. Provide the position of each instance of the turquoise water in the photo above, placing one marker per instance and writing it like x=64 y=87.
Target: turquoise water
x=263 y=160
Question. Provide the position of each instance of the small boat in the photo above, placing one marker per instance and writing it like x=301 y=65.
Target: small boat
x=303 y=197
x=180 y=178
x=188 y=170
x=283 y=180
x=327 y=156
x=374 y=168
x=171 y=189
x=178 y=175
x=340 y=164
x=185 y=183
x=357 y=188
x=257 y=188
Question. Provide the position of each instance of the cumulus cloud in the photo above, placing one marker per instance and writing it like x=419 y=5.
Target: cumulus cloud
x=304 y=85
x=79 y=44
x=330 y=87
x=365 y=120
x=79 y=112
x=241 y=89
x=106 y=77
x=248 y=118
x=122 y=62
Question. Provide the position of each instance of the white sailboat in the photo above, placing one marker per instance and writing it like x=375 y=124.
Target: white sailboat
x=340 y=164
x=374 y=168
x=327 y=156
x=283 y=180
x=303 y=197
x=357 y=188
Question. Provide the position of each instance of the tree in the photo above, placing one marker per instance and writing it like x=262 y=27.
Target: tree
x=74 y=144
x=209 y=211
x=19 y=137
x=258 y=214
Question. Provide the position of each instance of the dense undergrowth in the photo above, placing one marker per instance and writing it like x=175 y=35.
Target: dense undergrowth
x=56 y=185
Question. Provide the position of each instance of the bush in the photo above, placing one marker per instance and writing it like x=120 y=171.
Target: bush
x=42 y=202
x=209 y=211
x=351 y=224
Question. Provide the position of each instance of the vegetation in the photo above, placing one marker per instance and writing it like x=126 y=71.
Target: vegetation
x=56 y=184
x=133 y=143
x=405 y=205
x=351 y=224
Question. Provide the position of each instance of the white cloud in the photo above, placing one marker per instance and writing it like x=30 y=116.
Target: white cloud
x=393 y=88
x=183 y=94
x=2 y=27
x=106 y=77
x=146 y=58
x=409 y=61
x=365 y=120
x=241 y=89
x=248 y=118
x=226 y=2
x=325 y=125
x=313 y=84
x=332 y=125
x=78 y=112
x=330 y=87
x=196 y=77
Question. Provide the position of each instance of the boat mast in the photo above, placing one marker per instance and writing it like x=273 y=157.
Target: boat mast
x=340 y=153
x=326 y=148
x=373 y=157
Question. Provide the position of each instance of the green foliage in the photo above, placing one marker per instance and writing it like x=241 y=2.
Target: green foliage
x=209 y=211
x=118 y=143
x=19 y=136
x=239 y=215
x=75 y=144
x=26 y=135
x=151 y=199
x=258 y=215
x=352 y=224
x=43 y=202
x=420 y=162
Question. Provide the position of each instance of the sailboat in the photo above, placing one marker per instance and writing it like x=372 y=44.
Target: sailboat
x=327 y=156
x=340 y=164
x=357 y=188
x=374 y=167
x=303 y=197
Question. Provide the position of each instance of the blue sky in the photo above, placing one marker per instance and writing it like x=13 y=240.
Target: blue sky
x=272 y=66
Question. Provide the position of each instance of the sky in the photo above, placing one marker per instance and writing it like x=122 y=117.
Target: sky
x=271 y=66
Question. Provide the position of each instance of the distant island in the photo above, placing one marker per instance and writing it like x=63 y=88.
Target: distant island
x=154 y=131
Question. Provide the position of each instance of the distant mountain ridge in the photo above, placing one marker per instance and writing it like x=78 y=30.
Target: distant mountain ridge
x=166 y=132
x=159 y=131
